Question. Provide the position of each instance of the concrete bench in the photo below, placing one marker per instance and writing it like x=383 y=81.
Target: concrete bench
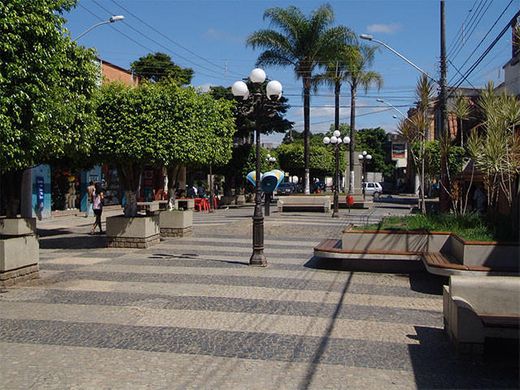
x=480 y=307
x=304 y=203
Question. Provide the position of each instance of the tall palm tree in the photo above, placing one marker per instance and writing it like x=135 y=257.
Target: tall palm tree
x=357 y=62
x=350 y=65
x=303 y=43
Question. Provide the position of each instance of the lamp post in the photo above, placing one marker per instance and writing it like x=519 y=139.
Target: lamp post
x=443 y=198
x=258 y=98
x=113 y=19
x=364 y=157
x=336 y=141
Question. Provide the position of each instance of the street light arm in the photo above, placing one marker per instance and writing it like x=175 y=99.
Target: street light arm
x=112 y=19
x=391 y=106
x=363 y=36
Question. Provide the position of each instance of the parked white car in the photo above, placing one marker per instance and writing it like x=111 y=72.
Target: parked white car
x=373 y=188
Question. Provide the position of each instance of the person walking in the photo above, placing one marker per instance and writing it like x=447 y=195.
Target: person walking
x=97 y=206
x=90 y=198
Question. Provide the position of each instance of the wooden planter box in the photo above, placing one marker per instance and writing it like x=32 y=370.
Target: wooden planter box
x=134 y=232
x=176 y=223
x=19 y=250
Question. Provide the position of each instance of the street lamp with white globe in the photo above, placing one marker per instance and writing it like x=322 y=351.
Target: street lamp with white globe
x=258 y=95
x=336 y=142
x=363 y=158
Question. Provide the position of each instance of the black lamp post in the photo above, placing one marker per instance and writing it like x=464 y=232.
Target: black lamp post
x=363 y=158
x=258 y=96
x=336 y=141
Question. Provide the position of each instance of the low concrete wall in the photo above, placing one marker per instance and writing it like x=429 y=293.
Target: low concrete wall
x=19 y=256
x=384 y=240
x=176 y=223
x=135 y=232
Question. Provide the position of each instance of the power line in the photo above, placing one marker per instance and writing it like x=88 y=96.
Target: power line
x=487 y=33
x=486 y=52
x=471 y=28
x=167 y=37
x=163 y=46
x=460 y=32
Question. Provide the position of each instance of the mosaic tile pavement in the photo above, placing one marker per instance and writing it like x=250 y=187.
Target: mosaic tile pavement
x=190 y=313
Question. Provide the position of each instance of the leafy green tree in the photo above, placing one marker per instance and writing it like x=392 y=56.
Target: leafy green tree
x=375 y=142
x=303 y=43
x=46 y=88
x=160 y=67
x=162 y=125
x=291 y=156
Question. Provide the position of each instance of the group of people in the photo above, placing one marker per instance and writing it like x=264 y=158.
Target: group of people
x=95 y=200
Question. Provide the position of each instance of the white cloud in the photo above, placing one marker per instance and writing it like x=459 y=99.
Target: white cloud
x=384 y=28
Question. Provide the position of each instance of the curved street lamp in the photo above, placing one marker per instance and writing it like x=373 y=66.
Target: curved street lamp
x=258 y=96
x=113 y=19
x=336 y=141
x=363 y=158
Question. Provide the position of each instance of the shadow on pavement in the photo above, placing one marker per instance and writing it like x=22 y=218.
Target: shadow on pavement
x=427 y=283
x=73 y=242
x=436 y=364
x=306 y=383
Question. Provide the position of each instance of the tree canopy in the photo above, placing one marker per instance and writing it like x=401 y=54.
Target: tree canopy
x=375 y=142
x=46 y=85
x=161 y=124
x=160 y=67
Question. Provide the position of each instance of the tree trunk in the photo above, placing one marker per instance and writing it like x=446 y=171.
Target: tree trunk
x=131 y=179
x=173 y=172
x=306 y=129
x=352 y=145
x=13 y=192
x=337 y=92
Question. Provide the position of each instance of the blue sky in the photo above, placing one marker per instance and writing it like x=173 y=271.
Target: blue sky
x=209 y=37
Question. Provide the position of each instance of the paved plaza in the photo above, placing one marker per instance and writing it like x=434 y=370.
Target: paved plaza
x=190 y=313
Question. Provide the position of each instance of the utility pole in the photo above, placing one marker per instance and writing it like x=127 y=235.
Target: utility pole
x=444 y=131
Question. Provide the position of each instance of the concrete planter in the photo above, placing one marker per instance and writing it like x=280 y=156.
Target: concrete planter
x=497 y=255
x=176 y=223
x=397 y=241
x=19 y=256
x=184 y=204
x=134 y=232
x=489 y=254
x=17 y=226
